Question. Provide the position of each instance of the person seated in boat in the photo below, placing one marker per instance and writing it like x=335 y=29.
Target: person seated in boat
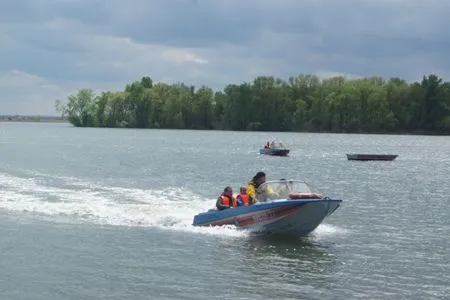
x=226 y=199
x=283 y=189
x=242 y=199
x=254 y=184
x=267 y=146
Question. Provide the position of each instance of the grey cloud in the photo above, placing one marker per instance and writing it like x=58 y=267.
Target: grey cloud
x=78 y=41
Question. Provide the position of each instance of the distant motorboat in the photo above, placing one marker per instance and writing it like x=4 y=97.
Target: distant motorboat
x=365 y=157
x=275 y=148
x=292 y=209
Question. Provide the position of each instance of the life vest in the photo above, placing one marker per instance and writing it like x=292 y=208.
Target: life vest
x=245 y=198
x=251 y=189
x=227 y=201
x=252 y=183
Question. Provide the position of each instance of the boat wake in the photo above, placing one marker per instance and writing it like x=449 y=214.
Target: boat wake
x=65 y=199
x=70 y=200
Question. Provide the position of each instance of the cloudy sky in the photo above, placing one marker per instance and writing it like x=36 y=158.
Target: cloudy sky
x=50 y=48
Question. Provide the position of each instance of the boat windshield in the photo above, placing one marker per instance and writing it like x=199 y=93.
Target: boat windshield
x=280 y=189
x=276 y=144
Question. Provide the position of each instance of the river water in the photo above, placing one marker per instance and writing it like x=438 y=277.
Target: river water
x=106 y=214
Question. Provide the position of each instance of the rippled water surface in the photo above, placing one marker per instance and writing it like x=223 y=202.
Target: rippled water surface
x=107 y=213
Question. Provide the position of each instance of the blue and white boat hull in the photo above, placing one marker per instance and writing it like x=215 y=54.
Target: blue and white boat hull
x=289 y=217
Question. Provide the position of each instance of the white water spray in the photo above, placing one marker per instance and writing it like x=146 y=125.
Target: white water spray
x=71 y=199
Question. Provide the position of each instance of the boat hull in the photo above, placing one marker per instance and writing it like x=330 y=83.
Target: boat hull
x=274 y=152
x=286 y=217
x=366 y=157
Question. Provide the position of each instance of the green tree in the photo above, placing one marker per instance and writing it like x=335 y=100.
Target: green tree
x=302 y=103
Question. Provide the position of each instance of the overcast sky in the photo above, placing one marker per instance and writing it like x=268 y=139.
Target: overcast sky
x=49 y=49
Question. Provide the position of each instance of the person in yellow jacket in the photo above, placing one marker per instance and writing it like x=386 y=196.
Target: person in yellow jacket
x=254 y=184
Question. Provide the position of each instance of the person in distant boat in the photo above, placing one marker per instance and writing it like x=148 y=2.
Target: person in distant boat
x=242 y=198
x=267 y=145
x=254 y=184
x=226 y=199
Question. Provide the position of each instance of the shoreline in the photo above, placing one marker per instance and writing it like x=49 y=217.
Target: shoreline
x=34 y=121
x=413 y=133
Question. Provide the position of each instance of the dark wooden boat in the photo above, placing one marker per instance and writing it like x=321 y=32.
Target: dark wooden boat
x=365 y=157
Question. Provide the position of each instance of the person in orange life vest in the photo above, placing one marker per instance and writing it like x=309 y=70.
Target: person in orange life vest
x=242 y=198
x=226 y=199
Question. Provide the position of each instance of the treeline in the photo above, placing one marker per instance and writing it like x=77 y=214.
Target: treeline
x=30 y=118
x=303 y=103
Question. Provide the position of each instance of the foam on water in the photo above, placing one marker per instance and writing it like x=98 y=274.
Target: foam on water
x=70 y=199
x=78 y=201
x=325 y=229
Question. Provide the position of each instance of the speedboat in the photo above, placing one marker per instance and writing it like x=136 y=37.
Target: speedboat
x=275 y=149
x=286 y=207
